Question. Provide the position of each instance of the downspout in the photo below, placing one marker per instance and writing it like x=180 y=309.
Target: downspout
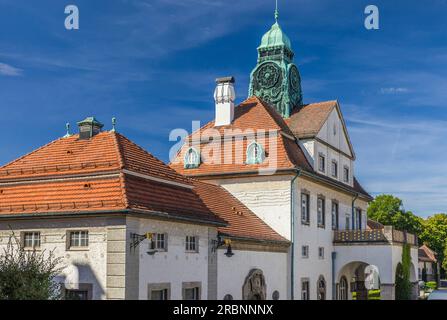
x=353 y=211
x=334 y=257
x=292 y=234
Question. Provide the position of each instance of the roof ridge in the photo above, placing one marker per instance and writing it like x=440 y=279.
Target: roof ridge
x=119 y=149
x=32 y=152
x=147 y=153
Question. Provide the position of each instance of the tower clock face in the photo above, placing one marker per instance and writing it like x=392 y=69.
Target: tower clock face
x=268 y=75
x=294 y=78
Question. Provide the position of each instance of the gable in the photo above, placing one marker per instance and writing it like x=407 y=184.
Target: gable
x=334 y=133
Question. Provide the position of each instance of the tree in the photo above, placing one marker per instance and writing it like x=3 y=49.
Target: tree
x=403 y=283
x=434 y=235
x=27 y=275
x=388 y=210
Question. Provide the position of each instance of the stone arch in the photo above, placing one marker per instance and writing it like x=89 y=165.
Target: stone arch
x=321 y=288
x=254 y=287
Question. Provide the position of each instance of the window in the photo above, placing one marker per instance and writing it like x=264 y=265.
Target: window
x=31 y=240
x=346 y=174
x=83 y=292
x=348 y=222
x=305 y=289
x=192 y=244
x=191 y=290
x=343 y=289
x=76 y=294
x=320 y=212
x=255 y=153
x=305 y=208
x=305 y=251
x=321 y=163
x=321 y=253
x=228 y=297
x=159 y=242
x=192 y=158
x=159 y=291
x=358 y=219
x=334 y=168
x=334 y=212
x=161 y=294
x=78 y=239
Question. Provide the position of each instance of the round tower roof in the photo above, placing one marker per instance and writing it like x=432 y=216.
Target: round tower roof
x=275 y=37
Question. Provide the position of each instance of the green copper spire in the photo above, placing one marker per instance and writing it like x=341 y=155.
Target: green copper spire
x=276 y=79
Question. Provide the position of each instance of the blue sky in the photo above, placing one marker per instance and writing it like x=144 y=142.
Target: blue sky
x=152 y=64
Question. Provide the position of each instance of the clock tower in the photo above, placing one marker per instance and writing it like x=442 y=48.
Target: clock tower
x=276 y=79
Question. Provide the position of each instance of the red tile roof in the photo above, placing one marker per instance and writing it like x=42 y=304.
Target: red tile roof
x=308 y=120
x=426 y=254
x=255 y=114
x=111 y=173
x=243 y=223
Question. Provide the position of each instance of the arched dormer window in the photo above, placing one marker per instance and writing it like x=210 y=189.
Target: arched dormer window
x=255 y=153
x=192 y=158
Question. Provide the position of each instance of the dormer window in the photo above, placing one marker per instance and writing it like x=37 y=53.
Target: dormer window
x=334 y=169
x=192 y=158
x=255 y=153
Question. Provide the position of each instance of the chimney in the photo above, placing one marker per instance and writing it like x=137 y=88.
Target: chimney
x=224 y=97
x=89 y=127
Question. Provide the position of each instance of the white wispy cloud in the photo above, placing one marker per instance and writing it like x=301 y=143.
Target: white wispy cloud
x=392 y=90
x=9 y=71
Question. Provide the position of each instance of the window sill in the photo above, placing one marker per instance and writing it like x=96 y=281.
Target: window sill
x=78 y=249
x=322 y=226
x=31 y=249
x=305 y=223
x=187 y=251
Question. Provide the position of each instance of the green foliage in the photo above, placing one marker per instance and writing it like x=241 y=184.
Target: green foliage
x=27 y=275
x=388 y=210
x=434 y=235
x=431 y=285
x=403 y=283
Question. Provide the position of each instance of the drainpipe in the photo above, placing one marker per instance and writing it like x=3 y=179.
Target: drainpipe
x=292 y=234
x=333 y=256
x=353 y=211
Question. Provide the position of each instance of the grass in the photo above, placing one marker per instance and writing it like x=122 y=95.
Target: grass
x=372 y=295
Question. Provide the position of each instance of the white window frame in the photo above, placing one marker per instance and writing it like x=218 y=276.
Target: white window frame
x=305 y=206
x=159 y=242
x=305 y=289
x=335 y=214
x=192 y=244
x=321 y=253
x=346 y=174
x=321 y=162
x=78 y=239
x=321 y=212
x=334 y=168
x=35 y=240
x=305 y=252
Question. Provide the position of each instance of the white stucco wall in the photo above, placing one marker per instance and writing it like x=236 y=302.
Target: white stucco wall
x=91 y=262
x=233 y=271
x=176 y=265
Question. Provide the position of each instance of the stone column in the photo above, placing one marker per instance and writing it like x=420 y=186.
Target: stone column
x=387 y=291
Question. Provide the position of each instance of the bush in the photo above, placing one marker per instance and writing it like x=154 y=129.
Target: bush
x=431 y=285
x=27 y=275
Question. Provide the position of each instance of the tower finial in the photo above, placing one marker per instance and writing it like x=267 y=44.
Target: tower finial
x=67 y=127
x=276 y=11
x=113 y=124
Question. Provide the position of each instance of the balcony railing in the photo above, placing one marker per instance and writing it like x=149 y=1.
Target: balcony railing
x=386 y=235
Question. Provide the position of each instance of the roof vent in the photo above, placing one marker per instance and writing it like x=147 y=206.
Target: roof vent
x=89 y=127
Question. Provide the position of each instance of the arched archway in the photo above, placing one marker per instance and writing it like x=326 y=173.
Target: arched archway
x=321 y=288
x=254 y=287
x=358 y=281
